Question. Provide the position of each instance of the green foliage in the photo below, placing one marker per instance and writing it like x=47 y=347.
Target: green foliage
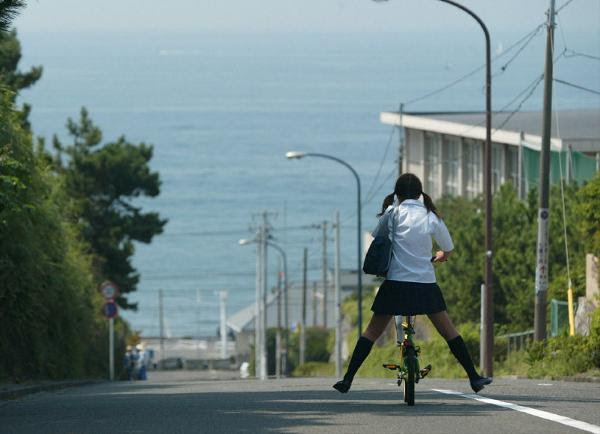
x=514 y=237
x=52 y=326
x=8 y=11
x=566 y=355
x=10 y=77
x=10 y=55
x=48 y=303
x=104 y=181
x=589 y=210
x=318 y=350
x=563 y=356
x=315 y=369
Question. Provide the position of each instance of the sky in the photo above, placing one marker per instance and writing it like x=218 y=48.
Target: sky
x=284 y=16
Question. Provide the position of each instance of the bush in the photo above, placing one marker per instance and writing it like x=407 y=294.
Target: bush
x=564 y=356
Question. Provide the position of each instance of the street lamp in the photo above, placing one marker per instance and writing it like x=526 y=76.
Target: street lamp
x=294 y=155
x=260 y=309
x=259 y=337
x=487 y=304
x=285 y=306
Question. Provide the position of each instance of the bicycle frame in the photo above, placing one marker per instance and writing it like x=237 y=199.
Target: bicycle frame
x=409 y=353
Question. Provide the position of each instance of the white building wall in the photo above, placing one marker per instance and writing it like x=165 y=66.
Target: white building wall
x=414 y=145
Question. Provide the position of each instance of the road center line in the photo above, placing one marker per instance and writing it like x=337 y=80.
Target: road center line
x=532 y=411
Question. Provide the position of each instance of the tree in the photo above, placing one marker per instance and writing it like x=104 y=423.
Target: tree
x=515 y=236
x=105 y=180
x=589 y=211
x=13 y=79
x=49 y=304
x=8 y=11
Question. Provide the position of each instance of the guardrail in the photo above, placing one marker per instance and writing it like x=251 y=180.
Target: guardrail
x=518 y=341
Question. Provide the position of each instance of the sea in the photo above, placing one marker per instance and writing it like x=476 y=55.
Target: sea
x=222 y=110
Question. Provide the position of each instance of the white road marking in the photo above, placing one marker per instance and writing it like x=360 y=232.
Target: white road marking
x=532 y=411
x=545 y=384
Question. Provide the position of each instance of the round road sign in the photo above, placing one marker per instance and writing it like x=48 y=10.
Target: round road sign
x=110 y=309
x=110 y=290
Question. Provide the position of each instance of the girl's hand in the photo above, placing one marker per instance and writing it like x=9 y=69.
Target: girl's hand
x=440 y=256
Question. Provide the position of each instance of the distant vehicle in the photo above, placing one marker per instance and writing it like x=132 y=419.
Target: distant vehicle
x=171 y=363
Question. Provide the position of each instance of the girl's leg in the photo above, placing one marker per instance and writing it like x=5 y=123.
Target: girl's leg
x=376 y=327
x=444 y=326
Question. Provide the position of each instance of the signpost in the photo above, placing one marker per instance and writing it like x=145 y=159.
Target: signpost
x=110 y=291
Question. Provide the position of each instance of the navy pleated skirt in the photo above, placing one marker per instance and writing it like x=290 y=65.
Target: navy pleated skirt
x=408 y=298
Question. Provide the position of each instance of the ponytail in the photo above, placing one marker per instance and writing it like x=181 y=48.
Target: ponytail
x=389 y=200
x=409 y=186
x=429 y=204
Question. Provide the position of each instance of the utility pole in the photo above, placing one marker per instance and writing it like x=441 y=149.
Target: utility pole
x=278 y=335
x=303 y=323
x=263 y=329
x=541 y=269
x=111 y=349
x=314 y=304
x=338 y=298
x=257 y=304
x=223 y=311
x=325 y=287
x=161 y=326
x=400 y=141
x=286 y=323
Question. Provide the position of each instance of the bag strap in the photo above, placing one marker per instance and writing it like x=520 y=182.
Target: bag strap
x=393 y=223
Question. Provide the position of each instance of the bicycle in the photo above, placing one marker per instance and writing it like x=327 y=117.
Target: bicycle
x=408 y=372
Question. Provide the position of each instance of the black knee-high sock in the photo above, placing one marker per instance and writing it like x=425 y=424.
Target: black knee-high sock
x=361 y=351
x=459 y=349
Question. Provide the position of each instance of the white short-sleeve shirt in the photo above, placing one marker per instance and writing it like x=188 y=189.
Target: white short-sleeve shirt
x=414 y=227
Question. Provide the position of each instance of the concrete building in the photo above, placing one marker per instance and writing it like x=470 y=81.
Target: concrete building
x=446 y=149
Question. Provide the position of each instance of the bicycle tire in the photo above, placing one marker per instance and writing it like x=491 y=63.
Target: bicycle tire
x=411 y=372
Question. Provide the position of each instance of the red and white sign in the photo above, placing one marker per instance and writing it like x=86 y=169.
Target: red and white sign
x=109 y=290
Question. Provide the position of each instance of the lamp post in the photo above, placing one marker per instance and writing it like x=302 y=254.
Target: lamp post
x=297 y=156
x=258 y=310
x=487 y=305
x=244 y=242
x=285 y=306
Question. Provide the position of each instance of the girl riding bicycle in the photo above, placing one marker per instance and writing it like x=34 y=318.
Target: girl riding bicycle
x=410 y=286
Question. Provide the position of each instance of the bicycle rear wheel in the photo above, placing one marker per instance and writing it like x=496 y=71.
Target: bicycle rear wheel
x=409 y=381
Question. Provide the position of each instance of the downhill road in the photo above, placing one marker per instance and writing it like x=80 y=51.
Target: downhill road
x=174 y=402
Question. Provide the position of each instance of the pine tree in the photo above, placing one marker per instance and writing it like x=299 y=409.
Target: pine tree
x=104 y=180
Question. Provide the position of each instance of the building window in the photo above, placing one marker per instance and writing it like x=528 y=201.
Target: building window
x=512 y=165
x=497 y=166
x=432 y=164
x=451 y=153
x=473 y=167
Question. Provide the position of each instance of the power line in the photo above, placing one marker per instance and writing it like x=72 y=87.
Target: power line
x=387 y=178
x=577 y=86
x=527 y=37
x=382 y=162
x=207 y=233
x=519 y=51
x=563 y=6
x=572 y=53
x=533 y=86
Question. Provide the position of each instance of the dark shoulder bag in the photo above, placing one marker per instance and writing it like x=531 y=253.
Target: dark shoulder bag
x=379 y=255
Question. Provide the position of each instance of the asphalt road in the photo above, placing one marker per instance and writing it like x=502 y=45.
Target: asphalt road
x=199 y=402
